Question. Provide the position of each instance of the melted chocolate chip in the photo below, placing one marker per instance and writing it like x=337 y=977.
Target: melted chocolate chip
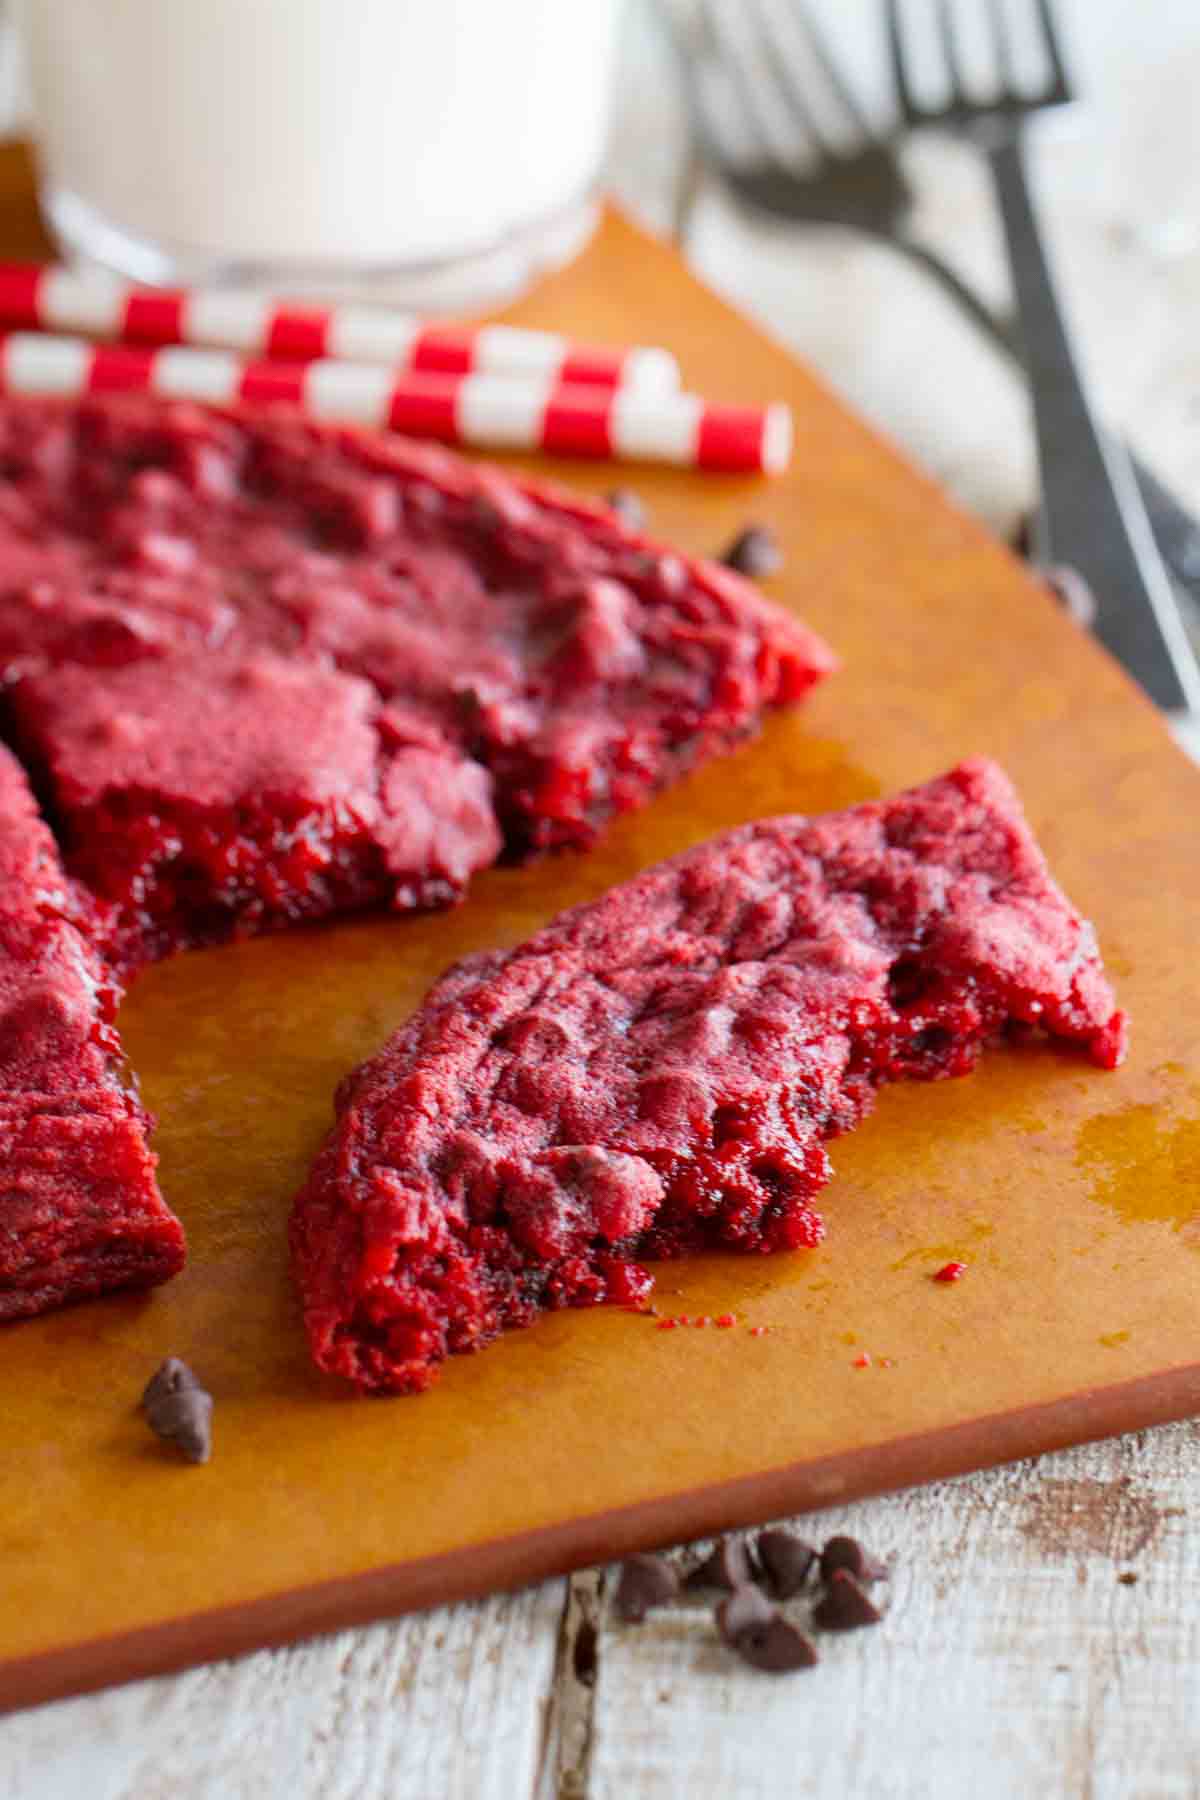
x=1072 y=592
x=628 y=507
x=845 y=1605
x=786 y=1561
x=847 y=1553
x=728 y=1566
x=746 y=1609
x=645 y=1582
x=754 y=552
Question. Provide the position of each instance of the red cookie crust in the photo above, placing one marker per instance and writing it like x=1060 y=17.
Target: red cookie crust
x=658 y=1071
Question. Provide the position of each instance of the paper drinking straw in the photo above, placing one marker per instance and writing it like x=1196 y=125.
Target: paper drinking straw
x=96 y=304
x=488 y=412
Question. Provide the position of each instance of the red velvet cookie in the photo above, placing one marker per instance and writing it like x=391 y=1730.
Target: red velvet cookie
x=80 y=1210
x=264 y=671
x=209 y=796
x=32 y=880
x=658 y=1071
x=580 y=664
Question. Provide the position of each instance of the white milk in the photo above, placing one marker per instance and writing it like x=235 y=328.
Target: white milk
x=363 y=133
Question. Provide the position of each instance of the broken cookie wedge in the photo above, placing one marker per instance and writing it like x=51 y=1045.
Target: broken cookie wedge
x=658 y=1072
x=80 y=1208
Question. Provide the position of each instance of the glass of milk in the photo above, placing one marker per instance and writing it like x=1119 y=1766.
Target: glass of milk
x=428 y=151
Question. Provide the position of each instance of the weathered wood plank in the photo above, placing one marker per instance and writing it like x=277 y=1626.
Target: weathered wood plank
x=1014 y=1660
x=442 y=1704
x=567 y=1746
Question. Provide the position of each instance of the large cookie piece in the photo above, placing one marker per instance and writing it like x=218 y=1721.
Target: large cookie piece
x=80 y=1209
x=658 y=1071
x=532 y=657
x=200 y=798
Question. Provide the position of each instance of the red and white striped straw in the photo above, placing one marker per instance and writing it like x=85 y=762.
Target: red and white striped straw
x=488 y=412
x=39 y=297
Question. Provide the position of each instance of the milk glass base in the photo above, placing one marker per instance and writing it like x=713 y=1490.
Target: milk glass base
x=483 y=277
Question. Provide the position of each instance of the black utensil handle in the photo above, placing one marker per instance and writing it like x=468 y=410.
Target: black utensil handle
x=1092 y=511
x=1176 y=529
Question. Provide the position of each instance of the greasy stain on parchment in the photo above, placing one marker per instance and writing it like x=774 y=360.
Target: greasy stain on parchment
x=1143 y=1161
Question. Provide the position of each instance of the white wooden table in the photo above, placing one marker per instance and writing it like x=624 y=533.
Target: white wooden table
x=1044 y=1632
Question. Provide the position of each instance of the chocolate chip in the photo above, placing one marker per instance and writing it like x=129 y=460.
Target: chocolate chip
x=746 y=1609
x=778 y=1648
x=646 y=1581
x=178 y=1409
x=754 y=552
x=169 y=1377
x=185 y=1418
x=847 y=1553
x=1072 y=592
x=786 y=1561
x=750 y=1625
x=583 y=1656
x=728 y=1566
x=628 y=507
x=845 y=1605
